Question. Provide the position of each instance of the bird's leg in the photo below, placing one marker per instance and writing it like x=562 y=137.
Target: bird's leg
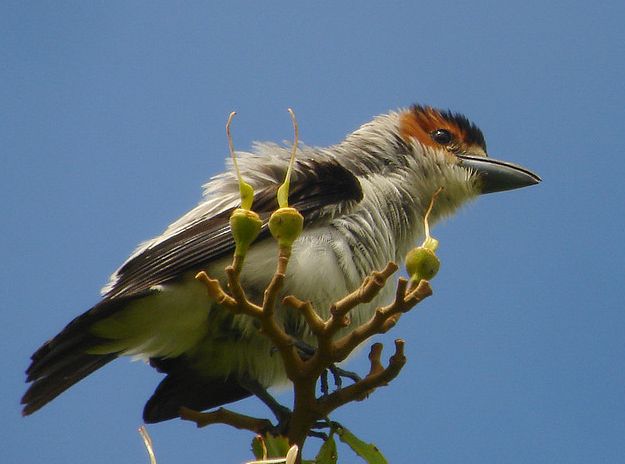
x=282 y=413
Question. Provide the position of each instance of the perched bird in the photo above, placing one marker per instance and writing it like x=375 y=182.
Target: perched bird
x=363 y=202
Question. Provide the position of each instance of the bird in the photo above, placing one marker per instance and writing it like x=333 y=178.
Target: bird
x=363 y=201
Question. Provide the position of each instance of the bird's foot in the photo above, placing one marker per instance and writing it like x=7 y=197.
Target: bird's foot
x=316 y=429
x=338 y=374
x=307 y=351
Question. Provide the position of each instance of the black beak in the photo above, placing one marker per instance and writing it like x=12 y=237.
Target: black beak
x=497 y=176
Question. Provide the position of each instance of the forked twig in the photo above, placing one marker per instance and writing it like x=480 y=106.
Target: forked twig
x=305 y=371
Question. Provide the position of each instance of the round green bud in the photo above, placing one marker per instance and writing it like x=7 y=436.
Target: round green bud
x=245 y=226
x=422 y=263
x=286 y=224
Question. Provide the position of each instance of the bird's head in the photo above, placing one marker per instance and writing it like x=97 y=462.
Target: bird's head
x=462 y=144
x=402 y=158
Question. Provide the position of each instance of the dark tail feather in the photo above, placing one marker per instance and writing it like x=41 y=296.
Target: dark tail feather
x=184 y=387
x=45 y=389
x=63 y=360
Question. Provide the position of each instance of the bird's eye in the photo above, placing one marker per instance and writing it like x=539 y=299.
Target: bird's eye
x=442 y=136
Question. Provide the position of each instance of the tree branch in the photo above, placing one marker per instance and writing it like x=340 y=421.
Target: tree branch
x=227 y=417
x=304 y=373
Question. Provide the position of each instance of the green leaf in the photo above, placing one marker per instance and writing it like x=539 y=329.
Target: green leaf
x=367 y=451
x=327 y=453
x=257 y=447
x=277 y=447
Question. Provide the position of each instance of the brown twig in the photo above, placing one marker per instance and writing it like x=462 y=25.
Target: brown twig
x=225 y=416
x=369 y=289
x=378 y=376
x=383 y=319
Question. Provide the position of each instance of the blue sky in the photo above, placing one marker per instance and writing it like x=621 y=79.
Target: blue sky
x=112 y=118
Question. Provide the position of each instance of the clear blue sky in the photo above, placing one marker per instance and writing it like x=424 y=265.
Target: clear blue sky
x=112 y=117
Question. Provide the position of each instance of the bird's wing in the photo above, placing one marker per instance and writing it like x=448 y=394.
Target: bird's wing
x=319 y=190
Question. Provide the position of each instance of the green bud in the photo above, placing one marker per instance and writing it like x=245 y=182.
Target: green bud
x=245 y=225
x=286 y=224
x=422 y=263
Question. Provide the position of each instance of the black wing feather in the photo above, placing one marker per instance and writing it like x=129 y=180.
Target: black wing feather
x=184 y=387
x=316 y=186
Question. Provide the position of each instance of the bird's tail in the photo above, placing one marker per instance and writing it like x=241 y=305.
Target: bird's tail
x=65 y=359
